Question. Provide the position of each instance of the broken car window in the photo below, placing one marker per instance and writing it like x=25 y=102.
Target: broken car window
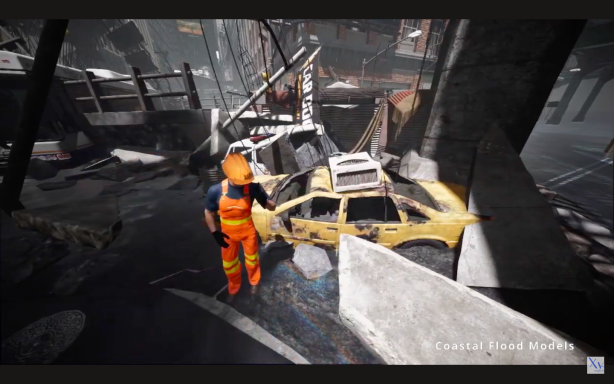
x=295 y=186
x=377 y=209
x=317 y=209
x=414 y=215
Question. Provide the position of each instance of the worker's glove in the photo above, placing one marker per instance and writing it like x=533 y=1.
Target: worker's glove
x=219 y=238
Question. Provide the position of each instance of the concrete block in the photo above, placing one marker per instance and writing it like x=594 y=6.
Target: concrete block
x=408 y=314
x=94 y=222
x=312 y=261
x=521 y=248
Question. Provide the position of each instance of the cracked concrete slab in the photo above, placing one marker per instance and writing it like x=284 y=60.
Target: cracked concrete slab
x=416 y=316
x=94 y=222
x=523 y=247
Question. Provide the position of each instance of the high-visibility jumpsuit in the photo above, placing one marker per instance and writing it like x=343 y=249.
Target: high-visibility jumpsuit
x=236 y=220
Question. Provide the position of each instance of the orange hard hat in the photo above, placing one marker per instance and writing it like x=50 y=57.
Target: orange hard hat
x=237 y=169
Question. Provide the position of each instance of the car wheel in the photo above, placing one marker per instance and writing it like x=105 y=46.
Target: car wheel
x=421 y=243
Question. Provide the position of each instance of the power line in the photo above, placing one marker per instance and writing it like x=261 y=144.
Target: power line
x=220 y=88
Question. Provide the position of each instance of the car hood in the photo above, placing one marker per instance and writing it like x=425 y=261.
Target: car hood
x=450 y=197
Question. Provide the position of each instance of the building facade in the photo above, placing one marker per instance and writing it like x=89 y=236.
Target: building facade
x=347 y=44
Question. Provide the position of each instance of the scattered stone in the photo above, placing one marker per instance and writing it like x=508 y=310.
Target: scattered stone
x=41 y=170
x=93 y=222
x=408 y=314
x=188 y=183
x=312 y=261
x=52 y=186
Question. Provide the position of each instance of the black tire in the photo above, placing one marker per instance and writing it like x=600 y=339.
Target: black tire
x=422 y=243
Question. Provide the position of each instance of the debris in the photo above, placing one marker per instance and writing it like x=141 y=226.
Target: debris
x=96 y=164
x=41 y=170
x=52 y=186
x=312 y=261
x=93 y=222
x=188 y=183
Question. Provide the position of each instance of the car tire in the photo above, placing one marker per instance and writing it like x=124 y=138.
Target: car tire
x=422 y=243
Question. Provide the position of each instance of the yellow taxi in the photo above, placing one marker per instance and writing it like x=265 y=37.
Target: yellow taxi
x=400 y=213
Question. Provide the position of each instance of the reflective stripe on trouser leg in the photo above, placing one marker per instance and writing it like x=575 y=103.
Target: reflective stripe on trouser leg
x=252 y=260
x=232 y=266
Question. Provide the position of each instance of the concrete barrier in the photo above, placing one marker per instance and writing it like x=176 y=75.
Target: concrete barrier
x=407 y=314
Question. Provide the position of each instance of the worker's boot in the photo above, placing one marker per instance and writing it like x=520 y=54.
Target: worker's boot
x=230 y=299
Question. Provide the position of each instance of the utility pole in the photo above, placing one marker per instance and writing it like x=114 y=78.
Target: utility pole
x=366 y=62
x=45 y=60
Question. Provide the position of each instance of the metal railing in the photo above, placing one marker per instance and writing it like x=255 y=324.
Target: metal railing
x=145 y=98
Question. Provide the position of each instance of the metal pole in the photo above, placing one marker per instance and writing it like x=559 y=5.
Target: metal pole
x=45 y=60
x=362 y=78
x=255 y=96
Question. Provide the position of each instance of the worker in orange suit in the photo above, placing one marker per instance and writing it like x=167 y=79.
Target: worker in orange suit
x=233 y=199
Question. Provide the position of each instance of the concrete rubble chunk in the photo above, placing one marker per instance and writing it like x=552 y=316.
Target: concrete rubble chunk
x=41 y=170
x=94 y=222
x=150 y=175
x=522 y=248
x=312 y=261
x=408 y=314
x=52 y=186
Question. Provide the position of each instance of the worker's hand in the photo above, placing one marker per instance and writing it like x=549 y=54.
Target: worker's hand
x=219 y=238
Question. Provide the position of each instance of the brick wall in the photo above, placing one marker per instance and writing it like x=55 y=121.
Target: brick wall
x=310 y=28
x=371 y=37
x=425 y=27
x=341 y=32
x=400 y=32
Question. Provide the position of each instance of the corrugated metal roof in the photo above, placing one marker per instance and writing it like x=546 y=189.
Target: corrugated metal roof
x=348 y=125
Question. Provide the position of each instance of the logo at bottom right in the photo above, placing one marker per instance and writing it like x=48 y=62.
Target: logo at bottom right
x=595 y=364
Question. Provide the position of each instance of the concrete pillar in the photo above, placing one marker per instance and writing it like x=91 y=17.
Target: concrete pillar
x=604 y=77
x=496 y=73
x=45 y=60
x=557 y=115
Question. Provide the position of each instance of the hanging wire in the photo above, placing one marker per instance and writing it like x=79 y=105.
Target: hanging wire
x=220 y=88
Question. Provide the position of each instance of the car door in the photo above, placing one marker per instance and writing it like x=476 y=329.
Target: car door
x=311 y=219
x=373 y=217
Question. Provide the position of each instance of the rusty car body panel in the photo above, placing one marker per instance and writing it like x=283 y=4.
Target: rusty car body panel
x=443 y=221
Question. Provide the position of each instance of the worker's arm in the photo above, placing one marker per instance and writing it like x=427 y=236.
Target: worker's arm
x=270 y=205
x=211 y=206
x=263 y=198
x=210 y=220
